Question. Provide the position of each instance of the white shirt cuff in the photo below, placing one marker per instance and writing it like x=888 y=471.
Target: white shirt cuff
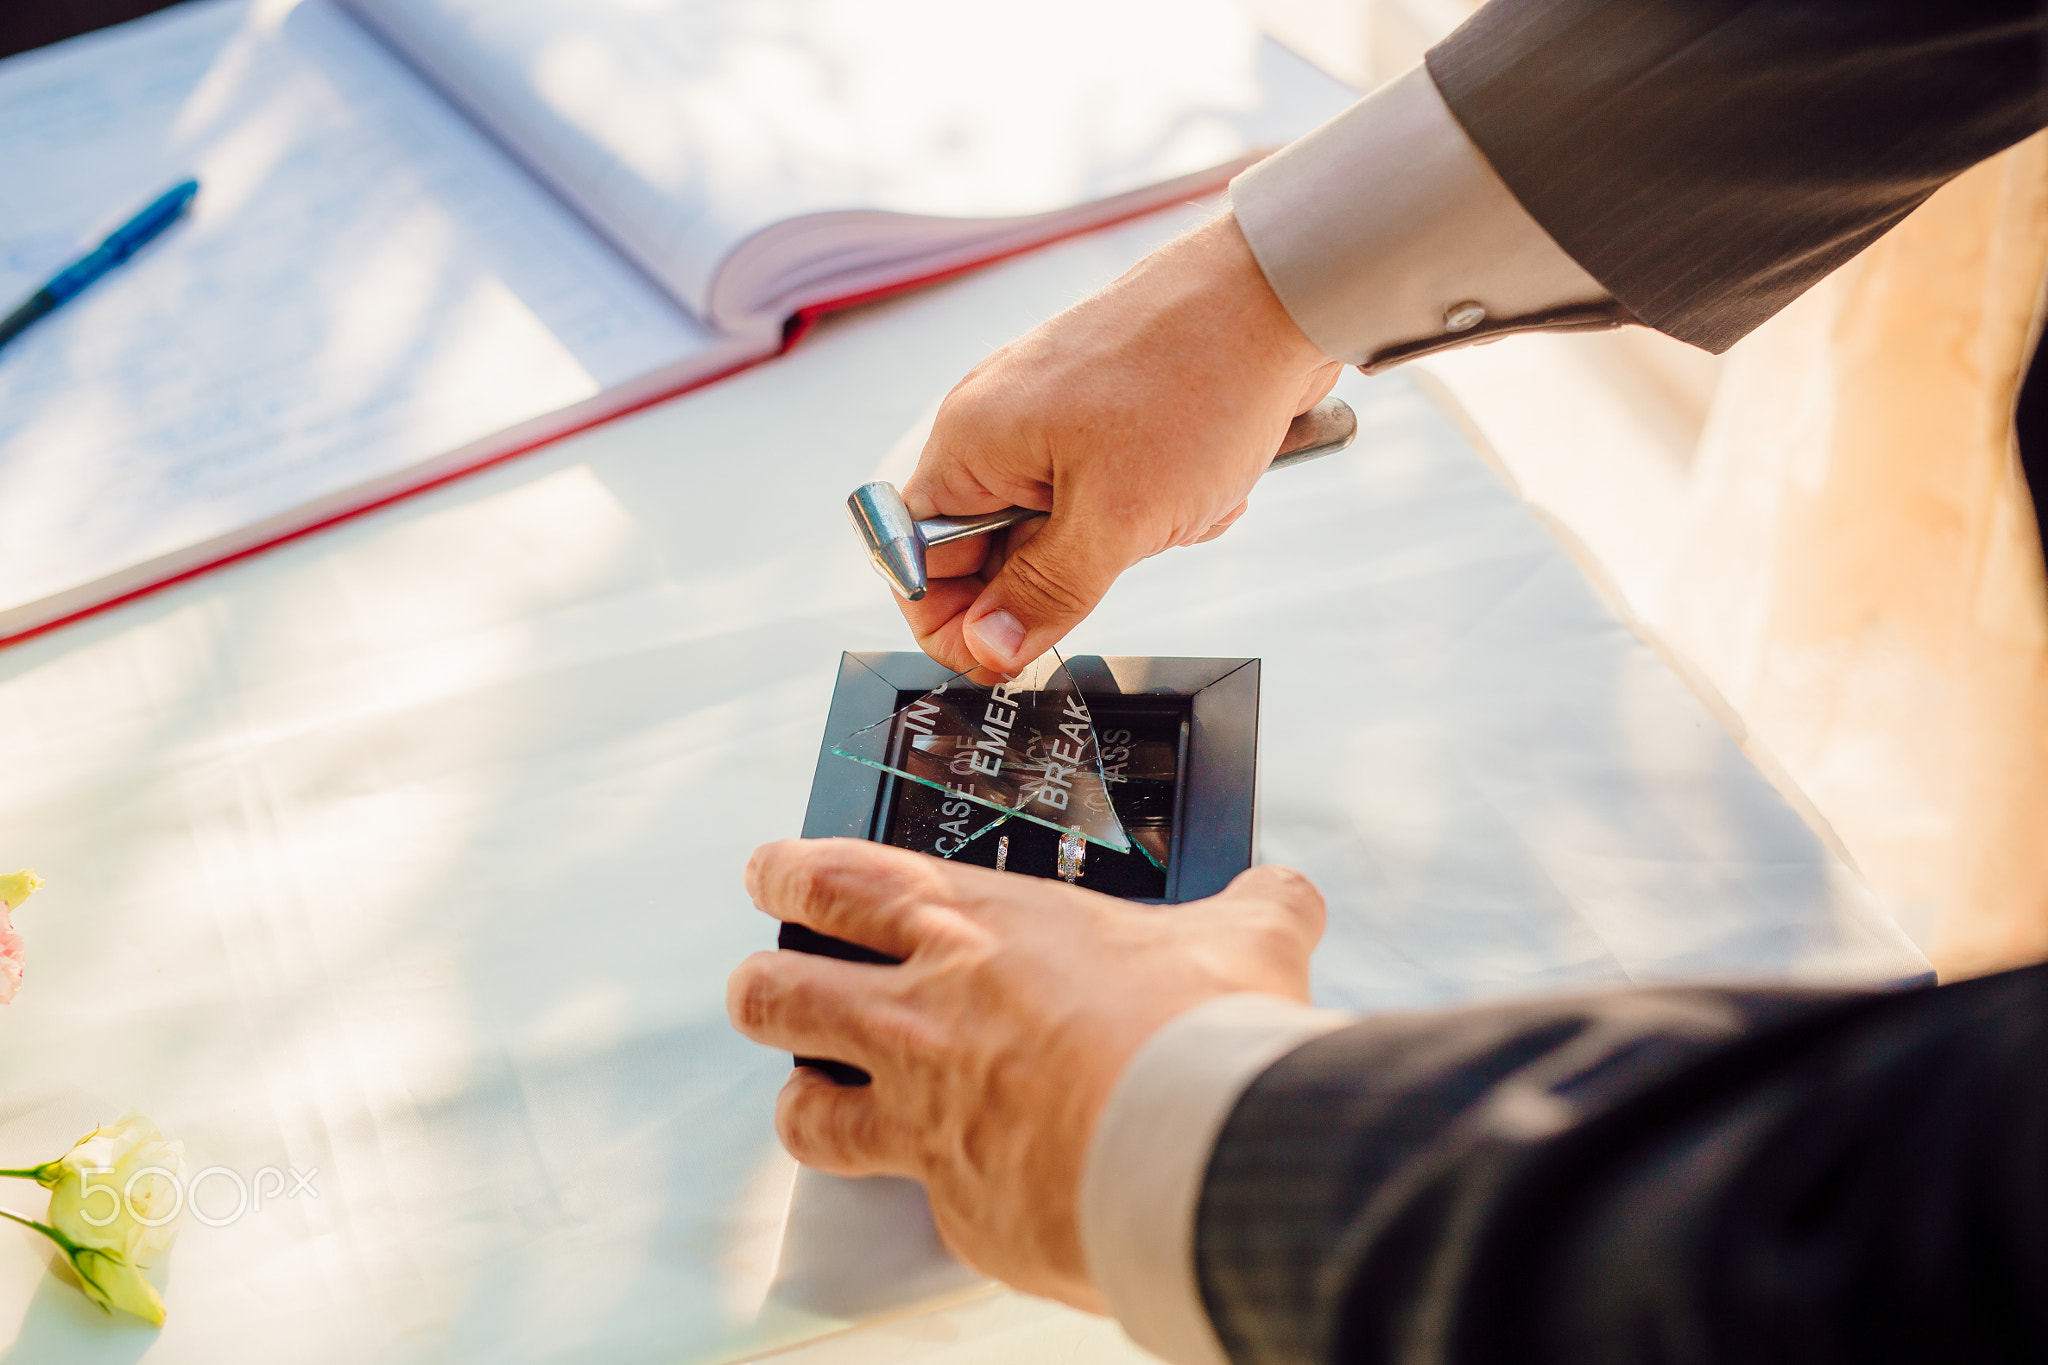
x=1378 y=228
x=1143 y=1177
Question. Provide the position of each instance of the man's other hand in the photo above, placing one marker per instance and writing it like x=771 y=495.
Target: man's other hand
x=995 y=1044
x=1140 y=418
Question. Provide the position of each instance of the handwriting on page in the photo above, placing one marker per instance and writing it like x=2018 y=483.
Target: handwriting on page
x=363 y=282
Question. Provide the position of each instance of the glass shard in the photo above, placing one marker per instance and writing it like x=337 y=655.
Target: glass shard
x=1023 y=749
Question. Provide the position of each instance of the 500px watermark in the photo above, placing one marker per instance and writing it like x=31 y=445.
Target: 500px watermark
x=141 y=1195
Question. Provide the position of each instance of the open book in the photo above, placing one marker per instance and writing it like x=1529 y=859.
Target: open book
x=434 y=233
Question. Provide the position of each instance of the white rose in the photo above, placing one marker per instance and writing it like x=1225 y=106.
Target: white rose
x=121 y=1189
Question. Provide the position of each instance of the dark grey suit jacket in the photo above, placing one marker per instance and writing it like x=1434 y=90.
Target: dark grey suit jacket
x=1675 y=1176
x=1708 y=160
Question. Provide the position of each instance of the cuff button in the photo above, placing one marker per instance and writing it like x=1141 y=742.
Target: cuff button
x=1463 y=317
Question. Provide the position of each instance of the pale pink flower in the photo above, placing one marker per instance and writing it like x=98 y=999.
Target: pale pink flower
x=14 y=889
x=11 y=959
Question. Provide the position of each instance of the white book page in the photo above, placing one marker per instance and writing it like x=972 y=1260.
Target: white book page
x=684 y=127
x=364 y=282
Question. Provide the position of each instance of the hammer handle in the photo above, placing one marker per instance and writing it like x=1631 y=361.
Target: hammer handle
x=1327 y=427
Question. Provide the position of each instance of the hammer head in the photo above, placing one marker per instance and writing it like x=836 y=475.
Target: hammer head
x=893 y=544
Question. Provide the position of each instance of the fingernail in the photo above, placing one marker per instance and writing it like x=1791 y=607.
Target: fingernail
x=1001 y=632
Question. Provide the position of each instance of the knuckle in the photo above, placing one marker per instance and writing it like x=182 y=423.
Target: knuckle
x=767 y=865
x=927 y=881
x=746 y=995
x=822 y=1126
x=912 y=1042
x=1042 y=585
x=826 y=869
x=796 y=1121
x=1287 y=884
x=1299 y=887
x=1297 y=905
x=1278 y=936
x=751 y=993
x=798 y=885
x=877 y=876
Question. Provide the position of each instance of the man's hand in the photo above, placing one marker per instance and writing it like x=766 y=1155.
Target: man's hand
x=1140 y=418
x=995 y=1044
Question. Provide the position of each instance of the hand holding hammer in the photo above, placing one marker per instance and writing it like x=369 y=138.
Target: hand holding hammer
x=1140 y=417
x=896 y=544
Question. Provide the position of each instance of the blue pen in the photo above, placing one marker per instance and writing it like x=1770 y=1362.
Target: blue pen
x=122 y=243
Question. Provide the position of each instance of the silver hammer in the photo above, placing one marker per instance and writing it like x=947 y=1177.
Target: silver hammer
x=896 y=545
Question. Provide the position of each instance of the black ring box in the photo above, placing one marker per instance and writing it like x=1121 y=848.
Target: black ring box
x=1207 y=708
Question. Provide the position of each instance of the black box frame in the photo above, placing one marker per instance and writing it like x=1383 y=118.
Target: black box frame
x=1216 y=811
x=1216 y=824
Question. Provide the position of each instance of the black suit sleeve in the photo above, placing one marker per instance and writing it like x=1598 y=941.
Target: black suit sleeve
x=1709 y=160
x=1681 y=1176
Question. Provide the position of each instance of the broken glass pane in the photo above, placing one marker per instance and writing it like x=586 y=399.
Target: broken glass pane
x=1025 y=748
x=939 y=822
x=1139 y=746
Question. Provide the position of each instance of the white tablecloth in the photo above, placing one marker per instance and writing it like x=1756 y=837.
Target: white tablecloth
x=409 y=854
